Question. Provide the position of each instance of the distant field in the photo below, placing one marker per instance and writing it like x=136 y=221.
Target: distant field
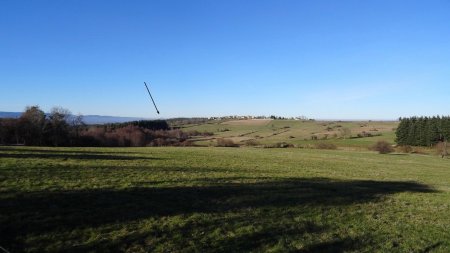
x=296 y=132
x=249 y=122
x=222 y=200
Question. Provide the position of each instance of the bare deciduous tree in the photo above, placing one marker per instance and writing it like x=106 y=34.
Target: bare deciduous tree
x=32 y=123
x=77 y=124
x=57 y=127
x=442 y=148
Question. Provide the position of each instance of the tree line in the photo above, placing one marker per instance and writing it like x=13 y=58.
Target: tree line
x=423 y=131
x=61 y=128
x=35 y=128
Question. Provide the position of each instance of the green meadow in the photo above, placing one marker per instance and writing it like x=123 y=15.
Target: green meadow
x=210 y=199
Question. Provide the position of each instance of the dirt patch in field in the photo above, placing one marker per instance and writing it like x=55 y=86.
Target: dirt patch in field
x=248 y=122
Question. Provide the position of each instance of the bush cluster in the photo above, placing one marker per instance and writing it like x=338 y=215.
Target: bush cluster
x=222 y=142
x=383 y=147
x=325 y=145
x=134 y=136
x=365 y=134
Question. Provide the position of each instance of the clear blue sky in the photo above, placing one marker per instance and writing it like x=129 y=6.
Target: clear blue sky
x=322 y=59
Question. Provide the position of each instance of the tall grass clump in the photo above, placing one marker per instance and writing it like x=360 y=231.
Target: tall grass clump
x=222 y=142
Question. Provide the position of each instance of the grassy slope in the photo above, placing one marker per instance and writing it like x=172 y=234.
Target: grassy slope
x=300 y=132
x=222 y=199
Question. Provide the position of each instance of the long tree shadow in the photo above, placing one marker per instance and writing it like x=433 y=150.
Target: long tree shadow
x=335 y=246
x=254 y=241
x=64 y=150
x=44 y=212
x=90 y=156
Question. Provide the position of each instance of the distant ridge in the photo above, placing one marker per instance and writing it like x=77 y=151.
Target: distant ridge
x=88 y=119
x=10 y=114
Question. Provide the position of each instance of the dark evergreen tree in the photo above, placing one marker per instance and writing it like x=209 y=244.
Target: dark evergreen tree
x=445 y=126
x=402 y=132
x=423 y=131
x=411 y=139
x=434 y=130
x=421 y=138
x=427 y=134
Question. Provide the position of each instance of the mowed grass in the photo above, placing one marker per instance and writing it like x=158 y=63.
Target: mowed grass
x=222 y=200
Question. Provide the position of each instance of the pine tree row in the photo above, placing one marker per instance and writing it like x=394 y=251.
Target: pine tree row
x=423 y=131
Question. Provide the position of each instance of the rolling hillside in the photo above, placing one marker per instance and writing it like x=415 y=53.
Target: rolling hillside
x=355 y=134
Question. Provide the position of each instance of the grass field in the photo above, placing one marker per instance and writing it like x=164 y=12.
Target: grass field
x=296 y=132
x=222 y=200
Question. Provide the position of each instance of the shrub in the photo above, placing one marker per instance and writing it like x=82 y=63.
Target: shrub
x=364 y=134
x=406 y=149
x=325 y=145
x=206 y=133
x=159 y=142
x=383 y=147
x=221 y=142
x=197 y=133
x=419 y=150
x=252 y=142
x=367 y=134
x=279 y=145
x=345 y=132
x=442 y=149
x=187 y=143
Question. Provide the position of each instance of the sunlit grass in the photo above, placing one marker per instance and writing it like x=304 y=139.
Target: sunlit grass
x=222 y=200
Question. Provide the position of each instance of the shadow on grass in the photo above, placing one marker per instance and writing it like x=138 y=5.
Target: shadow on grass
x=64 y=150
x=87 y=156
x=64 y=211
x=335 y=246
x=431 y=247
